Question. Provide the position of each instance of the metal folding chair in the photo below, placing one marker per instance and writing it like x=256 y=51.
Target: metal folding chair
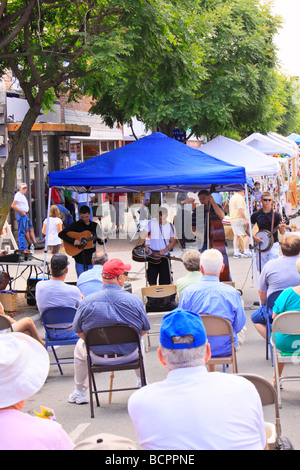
x=106 y=336
x=5 y=323
x=219 y=326
x=287 y=323
x=268 y=396
x=269 y=305
x=156 y=292
x=55 y=319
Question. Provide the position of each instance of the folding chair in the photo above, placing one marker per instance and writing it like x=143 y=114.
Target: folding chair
x=219 y=326
x=287 y=323
x=106 y=336
x=156 y=292
x=56 y=319
x=268 y=396
x=5 y=323
x=269 y=305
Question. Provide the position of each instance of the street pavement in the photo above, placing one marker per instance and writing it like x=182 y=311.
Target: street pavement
x=113 y=418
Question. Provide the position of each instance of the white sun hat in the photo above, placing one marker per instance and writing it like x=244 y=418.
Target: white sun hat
x=24 y=367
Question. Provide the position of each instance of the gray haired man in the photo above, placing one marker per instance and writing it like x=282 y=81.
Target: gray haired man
x=193 y=409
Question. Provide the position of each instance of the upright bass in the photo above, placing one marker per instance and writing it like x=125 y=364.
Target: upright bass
x=216 y=239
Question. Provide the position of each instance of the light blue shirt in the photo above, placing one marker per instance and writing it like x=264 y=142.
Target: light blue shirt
x=90 y=281
x=212 y=297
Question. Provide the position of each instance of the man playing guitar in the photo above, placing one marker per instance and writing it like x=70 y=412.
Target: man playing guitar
x=82 y=255
x=267 y=219
x=162 y=240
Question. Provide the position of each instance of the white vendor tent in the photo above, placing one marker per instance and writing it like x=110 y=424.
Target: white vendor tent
x=267 y=145
x=231 y=151
x=285 y=140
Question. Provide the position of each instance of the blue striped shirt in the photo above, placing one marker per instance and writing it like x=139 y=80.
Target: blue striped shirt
x=212 y=297
x=111 y=306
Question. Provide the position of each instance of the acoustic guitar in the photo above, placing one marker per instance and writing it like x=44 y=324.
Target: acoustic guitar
x=140 y=255
x=86 y=242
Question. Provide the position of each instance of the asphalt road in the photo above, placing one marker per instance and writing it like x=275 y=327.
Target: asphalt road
x=113 y=418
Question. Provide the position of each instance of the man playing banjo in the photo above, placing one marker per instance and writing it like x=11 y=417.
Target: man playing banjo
x=269 y=222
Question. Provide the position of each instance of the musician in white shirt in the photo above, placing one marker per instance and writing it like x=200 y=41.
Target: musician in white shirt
x=162 y=240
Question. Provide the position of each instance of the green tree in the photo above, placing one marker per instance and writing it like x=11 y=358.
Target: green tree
x=50 y=44
x=218 y=79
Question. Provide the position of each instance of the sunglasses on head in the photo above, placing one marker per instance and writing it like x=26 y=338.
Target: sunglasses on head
x=267 y=200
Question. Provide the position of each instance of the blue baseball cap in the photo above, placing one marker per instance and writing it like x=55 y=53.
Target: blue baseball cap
x=180 y=323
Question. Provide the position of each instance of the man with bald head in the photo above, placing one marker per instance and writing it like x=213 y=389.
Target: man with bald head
x=276 y=275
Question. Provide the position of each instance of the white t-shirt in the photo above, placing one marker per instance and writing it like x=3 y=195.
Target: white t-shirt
x=193 y=409
x=53 y=293
x=160 y=234
x=22 y=203
x=53 y=238
x=83 y=197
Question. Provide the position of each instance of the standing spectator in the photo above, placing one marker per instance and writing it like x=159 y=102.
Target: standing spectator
x=25 y=227
x=239 y=224
x=84 y=199
x=24 y=367
x=55 y=226
x=192 y=409
x=117 y=203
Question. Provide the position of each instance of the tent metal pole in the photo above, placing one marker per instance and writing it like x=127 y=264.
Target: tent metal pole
x=251 y=235
x=47 y=232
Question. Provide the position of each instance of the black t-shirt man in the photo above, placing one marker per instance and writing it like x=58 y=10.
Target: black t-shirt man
x=81 y=225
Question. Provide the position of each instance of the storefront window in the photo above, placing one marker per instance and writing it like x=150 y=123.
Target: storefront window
x=90 y=149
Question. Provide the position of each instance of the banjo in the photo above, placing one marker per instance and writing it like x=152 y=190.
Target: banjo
x=267 y=239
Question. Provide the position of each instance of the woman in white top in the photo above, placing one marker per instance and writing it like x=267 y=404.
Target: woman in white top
x=55 y=226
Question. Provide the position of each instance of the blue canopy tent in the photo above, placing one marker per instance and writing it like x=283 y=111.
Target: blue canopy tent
x=295 y=138
x=155 y=163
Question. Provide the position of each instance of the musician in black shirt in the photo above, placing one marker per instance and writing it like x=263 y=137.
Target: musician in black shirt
x=267 y=219
x=83 y=259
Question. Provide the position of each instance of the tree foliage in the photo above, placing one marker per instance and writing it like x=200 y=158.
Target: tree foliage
x=50 y=44
x=217 y=78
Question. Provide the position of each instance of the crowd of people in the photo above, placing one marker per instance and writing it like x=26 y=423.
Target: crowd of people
x=195 y=407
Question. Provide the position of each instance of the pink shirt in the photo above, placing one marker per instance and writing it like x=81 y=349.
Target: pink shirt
x=20 y=431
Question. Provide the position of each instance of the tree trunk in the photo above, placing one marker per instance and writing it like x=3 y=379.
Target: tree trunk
x=17 y=143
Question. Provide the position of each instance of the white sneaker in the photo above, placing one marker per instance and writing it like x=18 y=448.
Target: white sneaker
x=236 y=255
x=248 y=254
x=78 y=396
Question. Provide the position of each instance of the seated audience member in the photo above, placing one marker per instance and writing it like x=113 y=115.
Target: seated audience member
x=110 y=306
x=191 y=262
x=288 y=301
x=90 y=281
x=193 y=409
x=24 y=325
x=24 y=367
x=56 y=293
x=277 y=274
x=212 y=297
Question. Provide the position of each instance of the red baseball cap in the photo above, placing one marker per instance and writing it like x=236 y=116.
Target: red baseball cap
x=113 y=268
